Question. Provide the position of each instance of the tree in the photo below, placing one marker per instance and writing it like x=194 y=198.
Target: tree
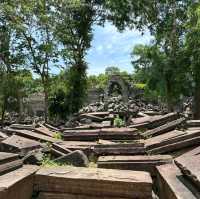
x=32 y=21
x=112 y=70
x=131 y=14
x=74 y=31
x=10 y=60
x=166 y=22
x=152 y=68
x=193 y=53
x=23 y=82
x=58 y=106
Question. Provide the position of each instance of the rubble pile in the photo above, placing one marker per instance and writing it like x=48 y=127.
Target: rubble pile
x=150 y=156
x=117 y=105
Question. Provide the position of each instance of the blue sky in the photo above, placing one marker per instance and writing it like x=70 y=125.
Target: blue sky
x=112 y=48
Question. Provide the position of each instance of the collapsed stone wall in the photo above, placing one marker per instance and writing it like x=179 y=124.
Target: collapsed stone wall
x=118 y=105
x=117 y=85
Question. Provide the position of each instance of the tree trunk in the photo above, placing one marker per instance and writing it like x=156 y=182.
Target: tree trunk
x=169 y=96
x=45 y=103
x=3 y=112
x=197 y=100
x=20 y=105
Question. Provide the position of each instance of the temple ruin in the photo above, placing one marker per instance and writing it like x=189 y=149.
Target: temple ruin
x=148 y=154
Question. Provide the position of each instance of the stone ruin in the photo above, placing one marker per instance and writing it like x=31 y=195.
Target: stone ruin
x=155 y=155
x=122 y=99
x=117 y=85
x=34 y=105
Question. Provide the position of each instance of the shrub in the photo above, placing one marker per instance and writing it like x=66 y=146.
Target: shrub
x=118 y=122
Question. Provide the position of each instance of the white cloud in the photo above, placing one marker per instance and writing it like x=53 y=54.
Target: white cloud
x=111 y=47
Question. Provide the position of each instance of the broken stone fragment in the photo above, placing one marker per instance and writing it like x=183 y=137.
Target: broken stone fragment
x=33 y=157
x=18 y=144
x=76 y=158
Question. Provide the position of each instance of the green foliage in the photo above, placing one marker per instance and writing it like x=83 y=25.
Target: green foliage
x=118 y=122
x=193 y=54
x=58 y=136
x=140 y=85
x=154 y=70
x=67 y=93
x=112 y=70
x=57 y=105
x=97 y=81
x=74 y=32
x=38 y=35
x=101 y=81
x=48 y=162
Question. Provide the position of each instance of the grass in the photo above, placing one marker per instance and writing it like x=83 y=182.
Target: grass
x=47 y=162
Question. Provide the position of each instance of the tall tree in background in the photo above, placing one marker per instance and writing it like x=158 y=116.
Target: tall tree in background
x=74 y=31
x=193 y=52
x=32 y=21
x=169 y=33
x=5 y=68
x=166 y=22
x=151 y=69
x=10 y=60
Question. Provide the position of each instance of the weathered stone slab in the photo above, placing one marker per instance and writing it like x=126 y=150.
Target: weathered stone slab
x=45 y=131
x=117 y=149
x=18 y=184
x=31 y=135
x=165 y=138
x=104 y=124
x=193 y=123
x=10 y=166
x=153 y=121
x=53 y=128
x=93 y=118
x=141 y=120
x=105 y=133
x=190 y=166
x=50 y=195
x=172 y=141
x=18 y=144
x=56 y=153
x=22 y=127
x=95 y=182
x=9 y=162
x=68 y=146
x=172 y=184
x=195 y=152
x=102 y=147
x=175 y=146
x=152 y=113
x=193 y=129
x=7 y=157
x=157 y=121
x=140 y=125
x=3 y=136
x=164 y=128
x=100 y=114
x=136 y=163
x=105 y=142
